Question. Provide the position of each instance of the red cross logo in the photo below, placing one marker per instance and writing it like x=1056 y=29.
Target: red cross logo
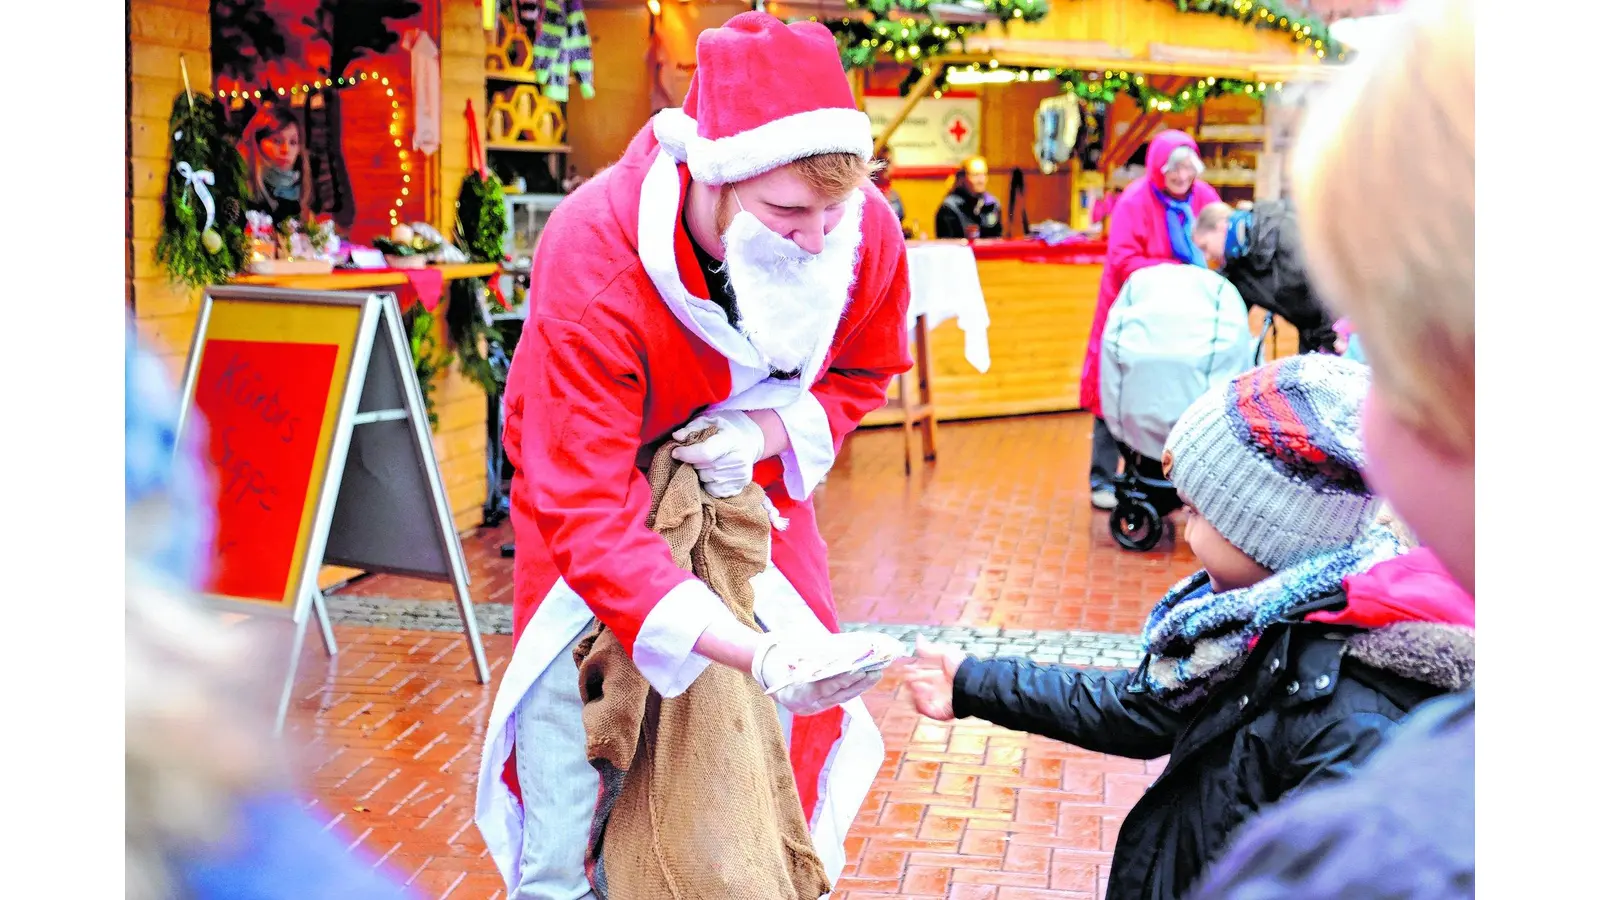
x=958 y=130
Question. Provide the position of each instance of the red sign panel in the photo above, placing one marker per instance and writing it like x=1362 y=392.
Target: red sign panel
x=263 y=403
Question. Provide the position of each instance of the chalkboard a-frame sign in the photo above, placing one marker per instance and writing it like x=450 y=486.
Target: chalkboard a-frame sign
x=321 y=453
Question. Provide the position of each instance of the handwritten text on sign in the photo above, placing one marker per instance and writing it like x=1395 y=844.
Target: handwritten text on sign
x=263 y=404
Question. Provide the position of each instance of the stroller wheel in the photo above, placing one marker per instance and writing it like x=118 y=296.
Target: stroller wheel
x=1135 y=525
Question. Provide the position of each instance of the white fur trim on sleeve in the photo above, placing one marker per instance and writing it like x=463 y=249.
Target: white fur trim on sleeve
x=764 y=148
x=664 y=650
x=810 y=453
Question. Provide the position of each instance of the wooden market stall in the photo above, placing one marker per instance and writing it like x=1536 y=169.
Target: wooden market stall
x=1152 y=66
x=160 y=33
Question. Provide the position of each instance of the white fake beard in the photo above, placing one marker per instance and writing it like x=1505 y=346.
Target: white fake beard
x=790 y=301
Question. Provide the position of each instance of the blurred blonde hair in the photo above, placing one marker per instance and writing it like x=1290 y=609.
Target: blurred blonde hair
x=198 y=741
x=1383 y=177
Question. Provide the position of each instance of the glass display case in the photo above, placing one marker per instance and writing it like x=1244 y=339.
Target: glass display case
x=526 y=215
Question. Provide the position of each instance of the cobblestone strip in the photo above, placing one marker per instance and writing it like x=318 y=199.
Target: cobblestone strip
x=1084 y=648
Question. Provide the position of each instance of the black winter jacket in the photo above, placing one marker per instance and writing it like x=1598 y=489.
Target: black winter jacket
x=960 y=210
x=1267 y=267
x=1301 y=712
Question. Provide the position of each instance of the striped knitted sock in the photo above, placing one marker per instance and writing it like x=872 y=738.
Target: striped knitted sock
x=547 y=50
x=577 y=49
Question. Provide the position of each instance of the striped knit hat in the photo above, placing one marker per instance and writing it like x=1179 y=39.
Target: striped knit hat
x=1273 y=459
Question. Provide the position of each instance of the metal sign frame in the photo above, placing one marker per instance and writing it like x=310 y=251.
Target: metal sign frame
x=375 y=308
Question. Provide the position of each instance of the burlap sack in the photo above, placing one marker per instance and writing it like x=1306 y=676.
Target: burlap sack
x=698 y=799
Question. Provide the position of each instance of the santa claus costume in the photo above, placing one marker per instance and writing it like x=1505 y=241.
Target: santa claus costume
x=622 y=347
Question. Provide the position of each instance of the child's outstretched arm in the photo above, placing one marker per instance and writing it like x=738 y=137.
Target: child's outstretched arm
x=1086 y=707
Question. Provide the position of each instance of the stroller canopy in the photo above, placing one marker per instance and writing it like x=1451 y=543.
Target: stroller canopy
x=1173 y=332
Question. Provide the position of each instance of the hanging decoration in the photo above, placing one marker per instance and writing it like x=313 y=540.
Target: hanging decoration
x=305 y=88
x=562 y=50
x=1104 y=86
x=907 y=31
x=396 y=126
x=1055 y=131
x=425 y=92
x=202 y=231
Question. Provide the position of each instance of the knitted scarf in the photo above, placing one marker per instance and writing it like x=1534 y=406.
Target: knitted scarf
x=1197 y=639
x=561 y=47
x=1180 y=224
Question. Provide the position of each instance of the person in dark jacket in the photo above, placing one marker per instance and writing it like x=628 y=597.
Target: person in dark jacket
x=1279 y=666
x=1389 y=238
x=1258 y=250
x=969 y=210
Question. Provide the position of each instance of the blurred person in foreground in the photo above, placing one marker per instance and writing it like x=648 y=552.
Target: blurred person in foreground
x=1399 y=129
x=211 y=811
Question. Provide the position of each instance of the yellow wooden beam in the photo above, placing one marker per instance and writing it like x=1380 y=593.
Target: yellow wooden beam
x=923 y=87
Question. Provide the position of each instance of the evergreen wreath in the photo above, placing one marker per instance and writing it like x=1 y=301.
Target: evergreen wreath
x=202 y=229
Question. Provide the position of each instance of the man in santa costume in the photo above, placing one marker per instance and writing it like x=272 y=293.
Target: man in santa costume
x=728 y=270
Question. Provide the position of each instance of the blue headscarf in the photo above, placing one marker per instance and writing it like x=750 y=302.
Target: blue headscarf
x=160 y=471
x=1180 y=227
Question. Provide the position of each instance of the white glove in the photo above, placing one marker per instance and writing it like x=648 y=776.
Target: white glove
x=725 y=461
x=777 y=659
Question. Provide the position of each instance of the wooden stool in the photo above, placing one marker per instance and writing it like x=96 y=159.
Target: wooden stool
x=918 y=407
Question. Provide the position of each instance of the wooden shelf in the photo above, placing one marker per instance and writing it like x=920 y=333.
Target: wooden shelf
x=513 y=77
x=523 y=147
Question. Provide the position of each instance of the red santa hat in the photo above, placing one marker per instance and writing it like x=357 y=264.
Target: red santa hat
x=764 y=94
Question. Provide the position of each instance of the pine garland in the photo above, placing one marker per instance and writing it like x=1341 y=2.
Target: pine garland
x=429 y=358
x=192 y=254
x=480 y=232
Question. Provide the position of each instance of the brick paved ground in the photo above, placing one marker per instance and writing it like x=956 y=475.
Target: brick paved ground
x=998 y=532
x=994 y=548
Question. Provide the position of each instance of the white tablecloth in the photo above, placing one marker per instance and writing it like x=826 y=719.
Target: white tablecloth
x=944 y=285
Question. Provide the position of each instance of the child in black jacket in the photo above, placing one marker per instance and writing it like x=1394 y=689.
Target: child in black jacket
x=1281 y=664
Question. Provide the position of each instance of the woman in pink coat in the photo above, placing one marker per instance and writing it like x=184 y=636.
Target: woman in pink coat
x=1152 y=223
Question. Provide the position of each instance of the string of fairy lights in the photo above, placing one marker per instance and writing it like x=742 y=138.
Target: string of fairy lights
x=1103 y=86
x=355 y=79
x=912 y=30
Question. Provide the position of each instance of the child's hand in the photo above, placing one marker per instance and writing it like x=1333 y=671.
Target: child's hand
x=933 y=689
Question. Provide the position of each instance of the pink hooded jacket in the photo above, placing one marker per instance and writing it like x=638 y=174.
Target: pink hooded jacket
x=1138 y=239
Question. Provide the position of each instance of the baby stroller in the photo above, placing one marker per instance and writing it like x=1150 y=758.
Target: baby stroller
x=1173 y=332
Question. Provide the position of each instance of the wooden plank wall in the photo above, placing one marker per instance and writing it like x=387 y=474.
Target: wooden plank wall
x=599 y=129
x=160 y=30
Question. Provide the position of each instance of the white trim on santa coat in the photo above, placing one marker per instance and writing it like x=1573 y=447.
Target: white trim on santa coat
x=735 y=157
x=811 y=452
x=846 y=777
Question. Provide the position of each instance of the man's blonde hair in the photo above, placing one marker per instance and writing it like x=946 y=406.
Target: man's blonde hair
x=1212 y=215
x=1383 y=177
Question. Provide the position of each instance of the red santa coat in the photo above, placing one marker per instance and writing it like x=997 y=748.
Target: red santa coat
x=620 y=349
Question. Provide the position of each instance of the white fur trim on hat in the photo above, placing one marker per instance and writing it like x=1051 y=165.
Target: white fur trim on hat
x=767 y=146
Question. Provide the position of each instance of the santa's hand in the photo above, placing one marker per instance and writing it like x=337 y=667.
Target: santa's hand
x=726 y=460
x=777 y=659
